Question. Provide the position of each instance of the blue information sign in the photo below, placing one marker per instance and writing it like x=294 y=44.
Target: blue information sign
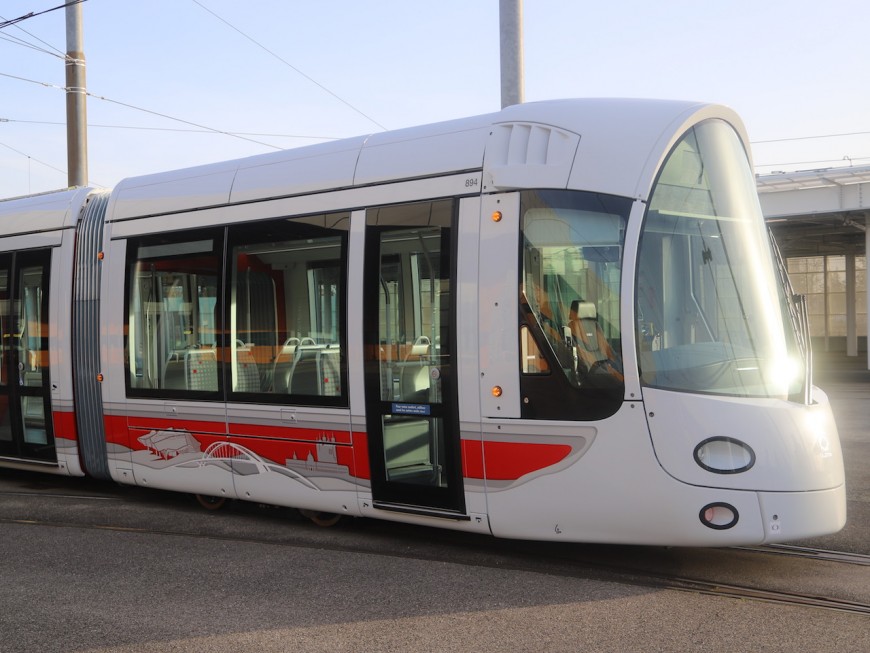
x=411 y=409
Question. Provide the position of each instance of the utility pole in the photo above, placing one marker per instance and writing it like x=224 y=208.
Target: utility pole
x=511 y=31
x=76 y=100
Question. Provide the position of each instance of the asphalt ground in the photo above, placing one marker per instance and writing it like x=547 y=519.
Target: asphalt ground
x=846 y=381
x=87 y=566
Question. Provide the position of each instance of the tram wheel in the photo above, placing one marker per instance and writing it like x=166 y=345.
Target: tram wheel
x=211 y=503
x=324 y=519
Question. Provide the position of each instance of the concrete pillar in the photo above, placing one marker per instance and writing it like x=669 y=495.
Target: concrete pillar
x=827 y=306
x=851 y=308
x=511 y=32
x=76 y=100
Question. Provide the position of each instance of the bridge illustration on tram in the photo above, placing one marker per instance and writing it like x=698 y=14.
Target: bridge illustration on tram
x=180 y=448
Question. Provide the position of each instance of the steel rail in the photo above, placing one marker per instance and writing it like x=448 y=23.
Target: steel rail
x=810 y=552
x=523 y=560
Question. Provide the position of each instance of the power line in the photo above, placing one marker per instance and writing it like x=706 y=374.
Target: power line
x=149 y=111
x=288 y=64
x=14 y=40
x=14 y=21
x=185 y=122
x=32 y=81
x=47 y=165
x=332 y=138
x=170 y=129
x=806 y=138
x=850 y=159
x=59 y=52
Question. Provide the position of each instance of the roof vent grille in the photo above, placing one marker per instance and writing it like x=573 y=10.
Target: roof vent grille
x=529 y=155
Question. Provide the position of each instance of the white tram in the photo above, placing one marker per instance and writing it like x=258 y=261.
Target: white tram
x=562 y=321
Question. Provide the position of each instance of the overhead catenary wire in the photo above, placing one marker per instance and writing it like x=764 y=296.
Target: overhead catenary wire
x=816 y=162
x=32 y=14
x=185 y=122
x=289 y=65
x=331 y=138
x=143 y=110
x=245 y=136
x=174 y=129
x=33 y=158
x=47 y=165
x=850 y=159
x=8 y=37
x=198 y=128
x=251 y=136
x=14 y=40
x=807 y=138
x=203 y=128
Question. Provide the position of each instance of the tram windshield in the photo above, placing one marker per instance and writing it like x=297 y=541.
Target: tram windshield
x=708 y=305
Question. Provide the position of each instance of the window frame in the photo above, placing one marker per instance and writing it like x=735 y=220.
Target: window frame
x=547 y=393
x=224 y=240
x=216 y=235
x=295 y=228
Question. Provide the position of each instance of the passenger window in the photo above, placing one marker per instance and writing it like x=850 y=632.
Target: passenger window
x=287 y=309
x=173 y=313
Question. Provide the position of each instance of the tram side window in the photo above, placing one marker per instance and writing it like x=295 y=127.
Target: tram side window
x=287 y=309
x=173 y=313
x=570 y=340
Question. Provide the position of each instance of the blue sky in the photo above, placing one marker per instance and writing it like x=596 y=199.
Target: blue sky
x=793 y=69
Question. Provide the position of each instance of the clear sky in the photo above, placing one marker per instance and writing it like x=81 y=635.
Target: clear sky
x=793 y=69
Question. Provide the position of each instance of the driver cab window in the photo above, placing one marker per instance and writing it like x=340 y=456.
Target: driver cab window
x=571 y=247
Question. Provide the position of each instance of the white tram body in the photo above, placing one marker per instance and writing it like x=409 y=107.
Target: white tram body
x=562 y=321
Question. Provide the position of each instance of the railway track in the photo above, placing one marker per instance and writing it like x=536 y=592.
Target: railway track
x=812 y=553
x=769 y=596
x=505 y=554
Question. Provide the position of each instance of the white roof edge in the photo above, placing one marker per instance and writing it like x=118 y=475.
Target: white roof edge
x=43 y=212
x=622 y=143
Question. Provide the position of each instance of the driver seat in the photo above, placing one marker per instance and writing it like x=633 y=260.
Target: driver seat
x=589 y=340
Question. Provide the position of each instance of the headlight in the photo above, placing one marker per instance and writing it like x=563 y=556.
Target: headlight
x=723 y=455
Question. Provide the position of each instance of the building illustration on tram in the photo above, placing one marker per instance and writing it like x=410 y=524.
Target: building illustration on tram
x=561 y=321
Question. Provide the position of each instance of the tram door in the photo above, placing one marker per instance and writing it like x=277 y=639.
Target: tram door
x=410 y=389
x=25 y=414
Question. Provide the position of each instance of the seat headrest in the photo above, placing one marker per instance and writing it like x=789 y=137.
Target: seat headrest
x=583 y=310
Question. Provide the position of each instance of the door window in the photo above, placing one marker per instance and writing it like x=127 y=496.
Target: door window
x=25 y=413
x=413 y=427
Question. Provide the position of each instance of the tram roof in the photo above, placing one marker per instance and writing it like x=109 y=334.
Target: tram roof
x=43 y=212
x=612 y=146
